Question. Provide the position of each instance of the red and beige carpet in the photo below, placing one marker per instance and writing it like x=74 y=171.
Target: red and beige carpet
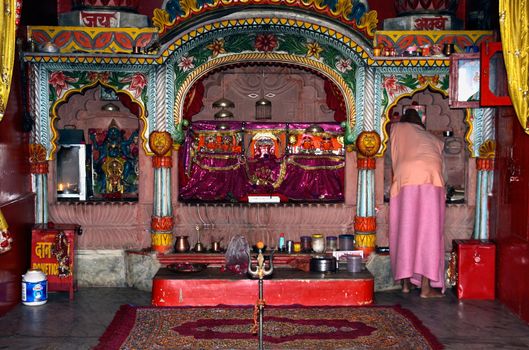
x=285 y=327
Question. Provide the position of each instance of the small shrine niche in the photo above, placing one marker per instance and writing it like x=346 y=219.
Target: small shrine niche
x=98 y=148
x=446 y=124
x=296 y=155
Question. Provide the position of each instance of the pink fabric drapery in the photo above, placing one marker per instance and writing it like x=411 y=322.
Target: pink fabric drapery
x=263 y=166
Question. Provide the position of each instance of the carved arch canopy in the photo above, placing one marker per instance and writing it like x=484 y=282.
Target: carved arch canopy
x=404 y=83
x=62 y=84
x=303 y=44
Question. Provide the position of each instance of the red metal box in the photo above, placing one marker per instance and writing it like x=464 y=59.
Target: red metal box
x=52 y=251
x=476 y=269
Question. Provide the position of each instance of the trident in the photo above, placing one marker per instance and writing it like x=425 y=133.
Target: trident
x=260 y=272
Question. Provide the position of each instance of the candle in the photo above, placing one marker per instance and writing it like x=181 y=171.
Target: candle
x=61 y=187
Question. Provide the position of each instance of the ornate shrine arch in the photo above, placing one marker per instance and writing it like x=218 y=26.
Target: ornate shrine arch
x=62 y=84
x=322 y=46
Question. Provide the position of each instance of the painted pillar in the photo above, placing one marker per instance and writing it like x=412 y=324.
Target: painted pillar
x=39 y=169
x=485 y=168
x=162 y=221
x=367 y=144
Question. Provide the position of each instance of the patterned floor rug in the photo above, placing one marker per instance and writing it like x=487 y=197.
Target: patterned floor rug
x=285 y=327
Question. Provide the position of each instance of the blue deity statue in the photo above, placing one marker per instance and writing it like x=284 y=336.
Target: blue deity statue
x=116 y=162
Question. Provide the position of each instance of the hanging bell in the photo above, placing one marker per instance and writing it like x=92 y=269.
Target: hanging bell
x=223 y=114
x=263 y=109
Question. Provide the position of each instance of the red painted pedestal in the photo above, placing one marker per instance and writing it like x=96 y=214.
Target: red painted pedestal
x=286 y=287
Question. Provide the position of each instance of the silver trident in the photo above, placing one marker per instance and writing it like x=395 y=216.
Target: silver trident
x=260 y=272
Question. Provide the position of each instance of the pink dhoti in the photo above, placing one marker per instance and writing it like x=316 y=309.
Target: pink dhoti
x=416 y=234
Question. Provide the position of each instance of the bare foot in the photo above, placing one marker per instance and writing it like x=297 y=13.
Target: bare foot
x=427 y=291
x=431 y=293
x=406 y=286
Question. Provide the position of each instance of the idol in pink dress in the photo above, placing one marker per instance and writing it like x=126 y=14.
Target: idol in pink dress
x=417 y=205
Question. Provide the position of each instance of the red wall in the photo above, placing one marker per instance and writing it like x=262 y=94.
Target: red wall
x=16 y=198
x=510 y=213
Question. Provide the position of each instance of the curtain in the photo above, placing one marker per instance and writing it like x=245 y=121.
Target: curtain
x=8 y=18
x=514 y=27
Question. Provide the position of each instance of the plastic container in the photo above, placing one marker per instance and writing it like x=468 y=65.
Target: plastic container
x=354 y=263
x=318 y=243
x=34 y=288
x=306 y=244
x=297 y=247
x=332 y=243
x=281 y=243
x=346 y=242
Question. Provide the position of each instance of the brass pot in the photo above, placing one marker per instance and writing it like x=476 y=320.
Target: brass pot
x=215 y=246
x=199 y=247
x=182 y=244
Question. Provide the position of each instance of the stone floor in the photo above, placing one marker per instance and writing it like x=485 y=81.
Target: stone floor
x=61 y=324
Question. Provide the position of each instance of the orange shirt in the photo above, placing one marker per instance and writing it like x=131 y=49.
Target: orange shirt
x=416 y=156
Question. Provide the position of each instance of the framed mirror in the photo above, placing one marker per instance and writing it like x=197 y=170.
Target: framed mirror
x=464 y=80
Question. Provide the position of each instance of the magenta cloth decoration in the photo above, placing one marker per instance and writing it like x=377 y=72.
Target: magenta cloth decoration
x=215 y=179
x=263 y=166
x=314 y=178
x=265 y=125
x=213 y=125
x=327 y=127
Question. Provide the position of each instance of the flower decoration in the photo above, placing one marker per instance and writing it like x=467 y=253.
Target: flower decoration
x=186 y=63
x=101 y=76
x=59 y=81
x=216 y=47
x=423 y=80
x=137 y=82
x=343 y=65
x=314 y=49
x=265 y=42
x=392 y=86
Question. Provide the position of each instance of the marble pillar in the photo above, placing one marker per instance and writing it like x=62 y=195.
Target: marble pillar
x=162 y=221
x=367 y=144
x=39 y=169
x=485 y=167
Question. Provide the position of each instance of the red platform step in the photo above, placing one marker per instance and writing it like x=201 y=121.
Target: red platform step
x=287 y=286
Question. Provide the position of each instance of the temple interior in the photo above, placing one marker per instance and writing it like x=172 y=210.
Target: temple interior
x=147 y=143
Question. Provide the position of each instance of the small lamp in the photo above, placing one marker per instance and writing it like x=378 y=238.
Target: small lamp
x=110 y=107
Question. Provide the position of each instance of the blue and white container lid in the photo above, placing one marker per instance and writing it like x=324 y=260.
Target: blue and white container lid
x=34 y=288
